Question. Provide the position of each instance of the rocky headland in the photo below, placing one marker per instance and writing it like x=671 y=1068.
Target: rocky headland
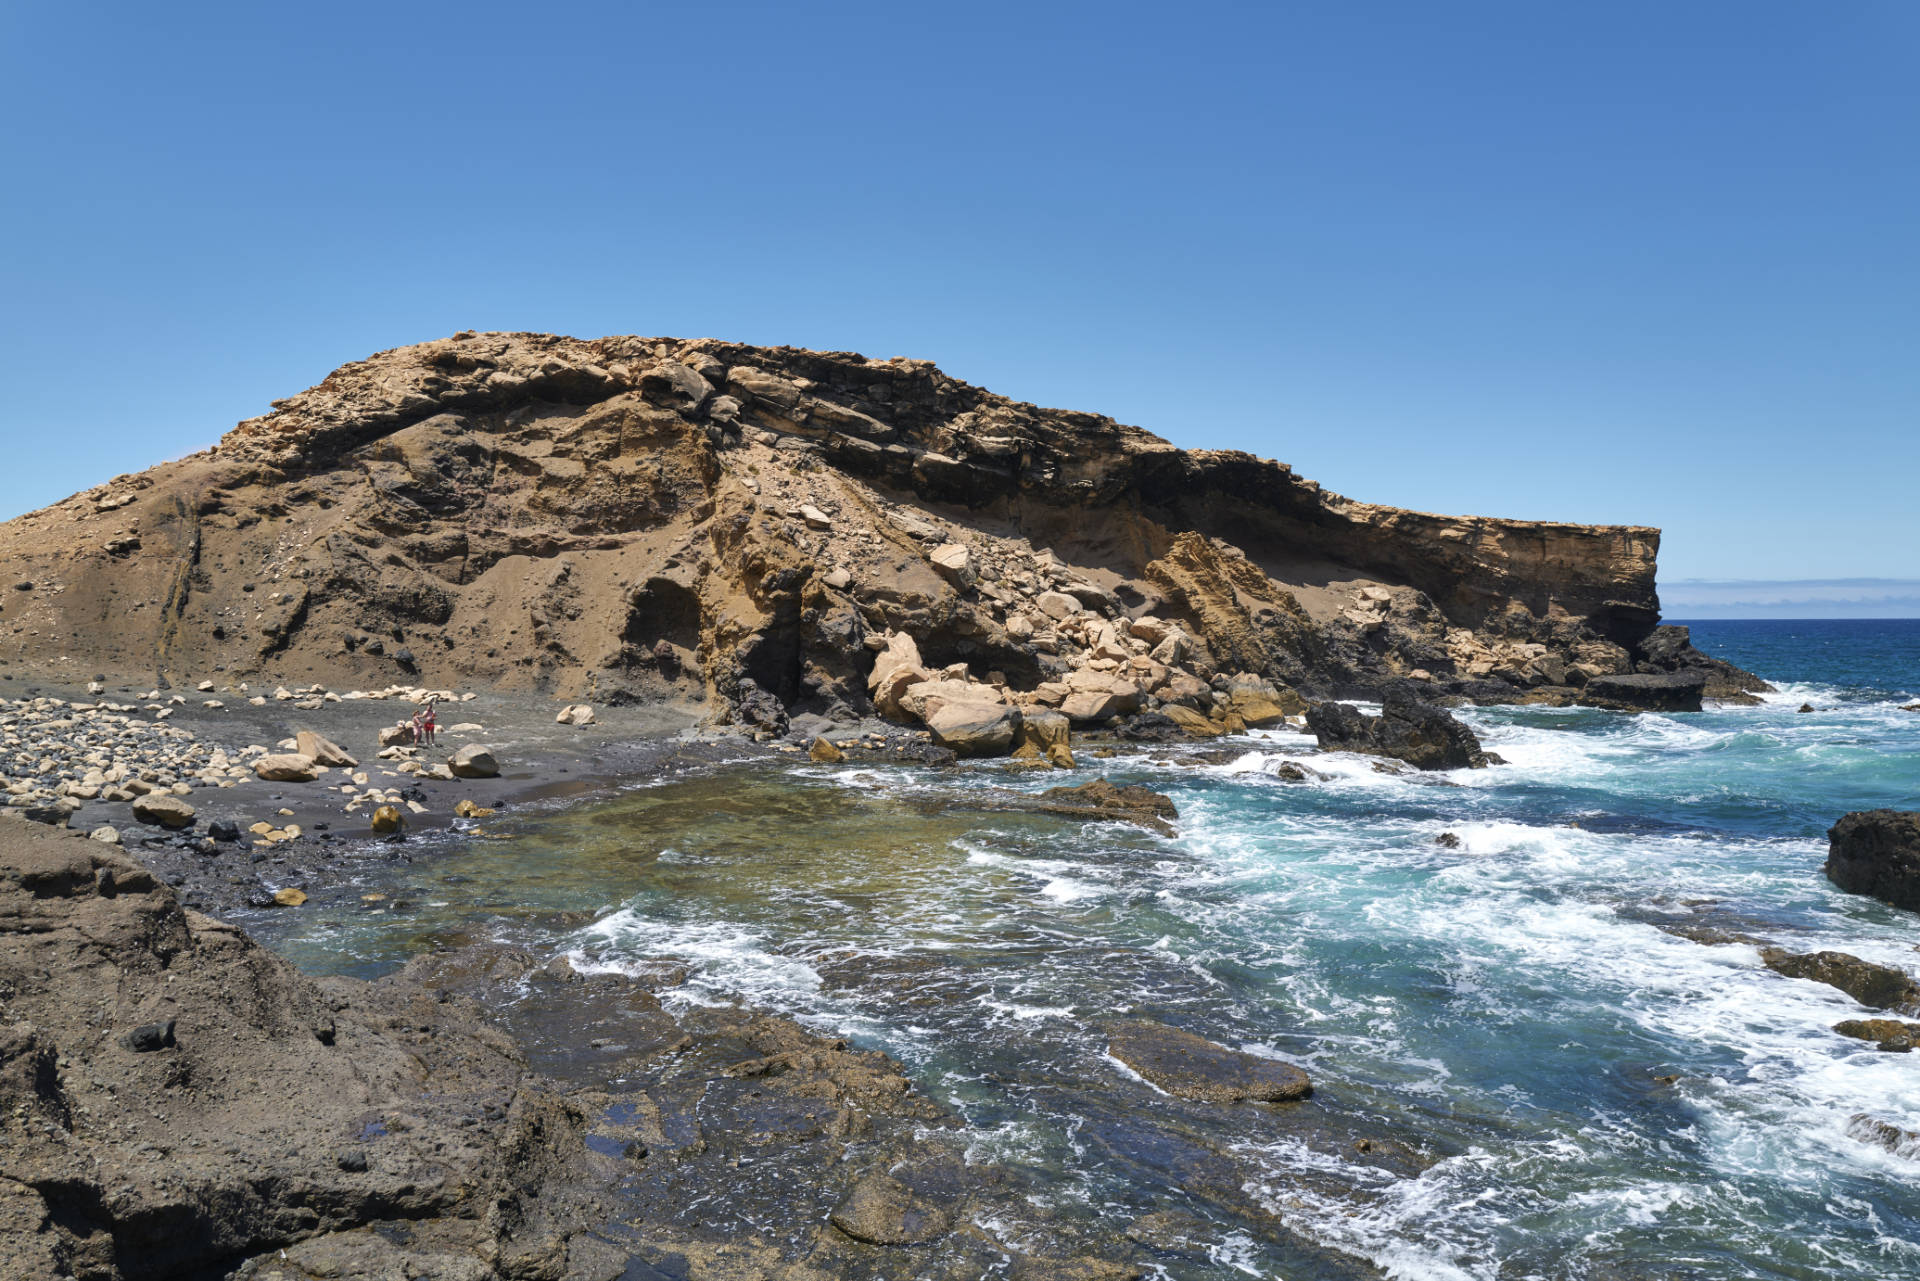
x=689 y=544
x=755 y=532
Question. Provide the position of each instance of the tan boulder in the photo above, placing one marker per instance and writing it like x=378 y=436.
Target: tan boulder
x=473 y=761
x=921 y=701
x=289 y=897
x=575 y=714
x=396 y=736
x=954 y=563
x=974 y=727
x=323 y=750
x=1190 y=721
x=163 y=810
x=1091 y=708
x=824 y=753
x=287 y=767
x=387 y=820
x=1056 y=605
x=1151 y=630
x=1045 y=735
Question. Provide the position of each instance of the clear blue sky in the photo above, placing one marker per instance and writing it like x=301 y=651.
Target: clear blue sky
x=1640 y=262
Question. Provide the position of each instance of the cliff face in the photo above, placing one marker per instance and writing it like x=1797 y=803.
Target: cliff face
x=658 y=518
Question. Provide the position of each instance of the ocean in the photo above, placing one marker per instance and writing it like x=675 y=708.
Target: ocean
x=1549 y=1028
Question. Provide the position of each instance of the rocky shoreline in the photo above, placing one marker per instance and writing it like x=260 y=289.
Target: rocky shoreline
x=177 y=1101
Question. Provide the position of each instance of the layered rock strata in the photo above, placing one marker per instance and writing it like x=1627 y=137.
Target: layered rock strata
x=749 y=528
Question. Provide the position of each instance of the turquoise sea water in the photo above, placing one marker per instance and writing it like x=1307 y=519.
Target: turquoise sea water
x=1591 y=1095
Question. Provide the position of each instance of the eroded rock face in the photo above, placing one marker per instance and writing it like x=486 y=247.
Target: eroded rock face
x=1193 y=1067
x=732 y=526
x=1407 y=729
x=1877 y=852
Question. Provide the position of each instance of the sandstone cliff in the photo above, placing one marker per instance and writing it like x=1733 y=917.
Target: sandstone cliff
x=738 y=526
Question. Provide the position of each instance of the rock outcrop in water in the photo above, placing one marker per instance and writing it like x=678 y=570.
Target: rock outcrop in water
x=1422 y=735
x=746 y=527
x=1877 y=852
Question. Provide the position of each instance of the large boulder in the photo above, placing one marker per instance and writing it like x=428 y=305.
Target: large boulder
x=1877 y=852
x=1193 y=1067
x=921 y=701
x=1407 y=730
x=1260 y=703
x=1045 y=735
x=162 y=809
x=323 y=750
x=1647 y=691
x=896 y=669
x=1191 y=723
x=287 y=767
x=473 y=761
x=974 y=728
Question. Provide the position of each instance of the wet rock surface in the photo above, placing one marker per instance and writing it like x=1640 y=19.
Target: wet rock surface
x=1647 y=691
x=1407 y=729
x=278 y=1126
x=1879 y=986
x=1877 y=852
x=1195 y=1068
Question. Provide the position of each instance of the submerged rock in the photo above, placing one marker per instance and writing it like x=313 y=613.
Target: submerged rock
x=1193 y=1067
x=1884 y=1134
x=1407 y=729
x=1101 y=799
x=1877 y=852
x=881 y=1210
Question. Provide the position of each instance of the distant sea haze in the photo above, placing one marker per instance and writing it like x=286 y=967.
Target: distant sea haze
x=1791 y=598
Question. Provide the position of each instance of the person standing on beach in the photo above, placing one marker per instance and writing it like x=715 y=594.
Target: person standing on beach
x=430 y=724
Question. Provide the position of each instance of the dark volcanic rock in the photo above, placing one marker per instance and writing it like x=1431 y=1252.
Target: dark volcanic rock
x=1877 y=852
x=1406 y=729
x=1193 y=1067
x=1879 y=986
x=209 y=1131
x=1670 y=649
x=1647 y=691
